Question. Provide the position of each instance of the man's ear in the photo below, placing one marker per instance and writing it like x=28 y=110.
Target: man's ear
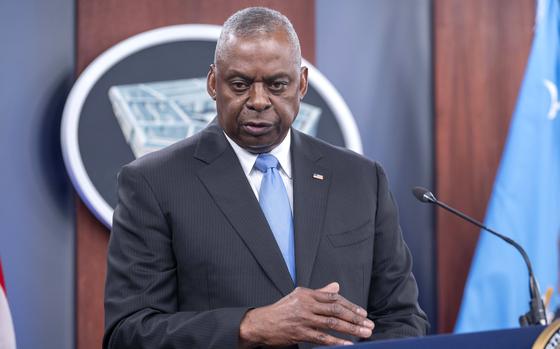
x=303 y=82
x=211 y=81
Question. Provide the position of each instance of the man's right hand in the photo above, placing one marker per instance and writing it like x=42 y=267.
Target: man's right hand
x=303 y=316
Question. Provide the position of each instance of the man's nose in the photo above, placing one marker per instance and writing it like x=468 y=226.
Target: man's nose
x=258 y=97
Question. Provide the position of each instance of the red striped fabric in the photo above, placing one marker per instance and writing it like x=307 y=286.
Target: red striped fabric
x=7 y=335
x=2 y=283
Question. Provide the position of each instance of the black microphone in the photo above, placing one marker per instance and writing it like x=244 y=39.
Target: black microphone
x=536 y=314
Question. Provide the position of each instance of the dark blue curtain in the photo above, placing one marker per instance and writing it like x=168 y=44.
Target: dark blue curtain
x=378 y=55
x=36 y=206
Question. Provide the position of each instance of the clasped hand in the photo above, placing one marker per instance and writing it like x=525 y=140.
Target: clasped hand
x=303 y=316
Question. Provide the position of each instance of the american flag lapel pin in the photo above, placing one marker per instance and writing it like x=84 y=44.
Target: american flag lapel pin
x=318 y=176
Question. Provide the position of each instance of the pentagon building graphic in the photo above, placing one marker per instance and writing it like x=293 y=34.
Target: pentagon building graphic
x=156 y=114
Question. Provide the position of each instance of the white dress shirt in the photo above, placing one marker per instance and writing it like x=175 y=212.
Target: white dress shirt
x=254 y=176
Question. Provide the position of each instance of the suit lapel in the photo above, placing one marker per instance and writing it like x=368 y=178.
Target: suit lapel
x=226 y=182
x=311 y=186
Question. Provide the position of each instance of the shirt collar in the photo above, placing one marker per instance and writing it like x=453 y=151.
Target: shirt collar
x=281 y=152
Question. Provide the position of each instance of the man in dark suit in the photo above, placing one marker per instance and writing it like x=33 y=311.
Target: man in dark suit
x=251 y=233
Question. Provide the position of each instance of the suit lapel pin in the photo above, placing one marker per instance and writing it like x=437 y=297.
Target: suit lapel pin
x=318 y=176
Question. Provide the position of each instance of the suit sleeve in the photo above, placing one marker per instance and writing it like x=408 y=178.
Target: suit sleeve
x=393 y=295
x=141 y=308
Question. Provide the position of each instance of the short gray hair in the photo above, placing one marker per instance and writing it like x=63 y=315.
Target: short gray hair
x=254 y=21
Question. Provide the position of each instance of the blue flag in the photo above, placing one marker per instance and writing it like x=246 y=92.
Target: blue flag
x=525 y=201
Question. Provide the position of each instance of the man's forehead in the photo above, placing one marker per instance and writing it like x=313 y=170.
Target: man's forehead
x=267 y=41
x=258 y=39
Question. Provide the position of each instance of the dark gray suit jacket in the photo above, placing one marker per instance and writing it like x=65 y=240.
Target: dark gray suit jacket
x=191 y=251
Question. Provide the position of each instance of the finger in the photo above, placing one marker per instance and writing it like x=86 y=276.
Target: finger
x=322 y=338
x=339 y=325
x=339 y=311
x=333 y=287
x=330 y=297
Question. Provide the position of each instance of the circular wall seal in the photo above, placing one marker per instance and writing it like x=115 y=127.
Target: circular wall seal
x=549 y=337
x=149 y=91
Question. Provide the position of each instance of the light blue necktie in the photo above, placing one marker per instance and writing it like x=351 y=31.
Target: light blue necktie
x=275 y=204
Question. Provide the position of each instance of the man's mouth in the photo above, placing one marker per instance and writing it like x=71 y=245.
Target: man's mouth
x=257 y=128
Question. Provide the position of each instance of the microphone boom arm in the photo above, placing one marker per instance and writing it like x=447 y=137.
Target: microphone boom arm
x=536 y=314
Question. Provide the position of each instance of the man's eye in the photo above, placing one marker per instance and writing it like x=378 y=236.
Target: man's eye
x=239 y=85
x=278 y=85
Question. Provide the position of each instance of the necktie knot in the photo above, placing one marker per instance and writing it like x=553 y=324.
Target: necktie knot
x=266 y=161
